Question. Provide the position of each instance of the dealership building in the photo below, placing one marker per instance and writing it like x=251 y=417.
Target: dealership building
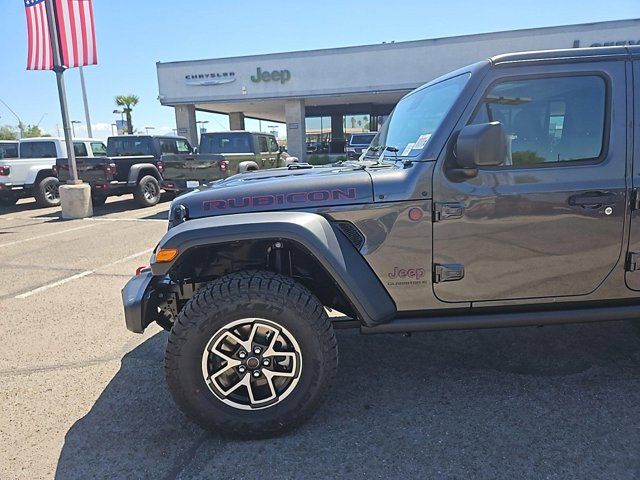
x=330 y=93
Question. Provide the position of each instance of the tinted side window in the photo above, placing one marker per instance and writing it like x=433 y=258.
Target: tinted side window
x=273 y=144
x=227 y=142
x=38 y=150
x=549 y=120
x=125 y=147
x=168 y=146
x=80 y=149
x=98 y=149
x=183 y=146
x=8 y=150
x=262 y=144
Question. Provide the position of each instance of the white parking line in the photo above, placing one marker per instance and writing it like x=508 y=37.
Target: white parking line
x=124 y=219
x=37 y=237
x=54 y=284
x=80 y=275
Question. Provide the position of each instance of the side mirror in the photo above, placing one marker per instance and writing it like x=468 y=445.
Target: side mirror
x=195 y=150
x=482 y=145
x=281 y=149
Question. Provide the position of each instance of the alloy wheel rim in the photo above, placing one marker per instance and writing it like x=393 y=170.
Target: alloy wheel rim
x=150 y=191
x=51 y=192
x=252 y=363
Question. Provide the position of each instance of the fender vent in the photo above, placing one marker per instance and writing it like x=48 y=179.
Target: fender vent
x=352 y=233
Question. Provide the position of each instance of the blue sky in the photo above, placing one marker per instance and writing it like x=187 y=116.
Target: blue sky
x=133 y=35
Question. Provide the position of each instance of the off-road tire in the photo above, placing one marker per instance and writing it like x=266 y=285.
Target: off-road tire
x=98 y=200
x=142 y=193
x=46 y=192
x=259 y=295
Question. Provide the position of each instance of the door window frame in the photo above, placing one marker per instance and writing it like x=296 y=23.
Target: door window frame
x=606 y=134
x=264 y=137
x=188 y=145
x=271 y=141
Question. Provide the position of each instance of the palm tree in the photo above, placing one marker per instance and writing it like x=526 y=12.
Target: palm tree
x=127 y=102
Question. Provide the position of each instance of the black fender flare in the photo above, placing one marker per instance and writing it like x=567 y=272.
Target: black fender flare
x=135 y=170
x=329 y=246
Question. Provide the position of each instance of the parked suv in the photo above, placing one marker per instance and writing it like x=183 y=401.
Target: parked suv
x=220 y=155
x=32 y=174
x=505 y=193
x=133 y=164
x=358 y=143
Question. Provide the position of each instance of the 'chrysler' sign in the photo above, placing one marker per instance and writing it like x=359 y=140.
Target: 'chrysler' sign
x=210 y=78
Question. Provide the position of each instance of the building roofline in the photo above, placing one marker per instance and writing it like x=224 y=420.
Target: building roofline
x=409 y=43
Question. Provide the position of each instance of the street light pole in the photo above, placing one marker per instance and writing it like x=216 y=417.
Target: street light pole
x=20 y=124
x=199 y=132
x=121 y=112
x=73 y=128
x=86 y=104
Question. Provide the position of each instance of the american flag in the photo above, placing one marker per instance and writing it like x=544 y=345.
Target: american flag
x=74 y=20
x=39 y=56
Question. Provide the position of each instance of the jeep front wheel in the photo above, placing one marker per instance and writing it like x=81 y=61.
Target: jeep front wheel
x=251 y=355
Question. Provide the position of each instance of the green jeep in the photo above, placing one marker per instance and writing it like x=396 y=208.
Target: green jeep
x=222 y=154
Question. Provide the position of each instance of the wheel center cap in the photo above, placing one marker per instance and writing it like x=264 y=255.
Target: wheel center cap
x=253 y=362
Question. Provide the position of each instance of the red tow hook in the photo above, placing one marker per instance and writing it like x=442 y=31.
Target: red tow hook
x=140 y=269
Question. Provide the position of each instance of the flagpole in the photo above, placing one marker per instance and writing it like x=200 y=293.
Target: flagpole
x=59 y=70
x=86 y=104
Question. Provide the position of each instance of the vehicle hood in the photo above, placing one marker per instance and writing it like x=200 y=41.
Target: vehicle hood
x=280 y=189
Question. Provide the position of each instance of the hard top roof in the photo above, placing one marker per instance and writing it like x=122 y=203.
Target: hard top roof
x=568 y=54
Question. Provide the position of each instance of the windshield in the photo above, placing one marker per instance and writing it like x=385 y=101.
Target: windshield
x=226 y=143
x=417 y=116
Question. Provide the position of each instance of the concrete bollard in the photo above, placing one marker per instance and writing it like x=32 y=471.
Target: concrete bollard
x=76 y=201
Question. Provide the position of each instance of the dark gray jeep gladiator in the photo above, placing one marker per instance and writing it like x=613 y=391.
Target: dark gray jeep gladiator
x=133 y=164
x=506 y=193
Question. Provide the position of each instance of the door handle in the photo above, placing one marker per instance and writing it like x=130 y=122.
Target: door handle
x=593 y=199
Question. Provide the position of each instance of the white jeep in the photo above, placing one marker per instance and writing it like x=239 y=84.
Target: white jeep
x=31 y=173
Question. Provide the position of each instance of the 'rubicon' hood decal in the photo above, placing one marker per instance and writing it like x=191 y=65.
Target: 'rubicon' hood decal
x=281 y=189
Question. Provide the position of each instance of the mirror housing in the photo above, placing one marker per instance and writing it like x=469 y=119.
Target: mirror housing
x=481 y=145
x=195 y=150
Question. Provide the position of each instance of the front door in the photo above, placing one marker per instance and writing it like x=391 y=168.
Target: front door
x=549 y=222
x=265 y=155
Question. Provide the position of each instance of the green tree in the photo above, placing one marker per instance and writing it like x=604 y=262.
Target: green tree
x=7 y=132
x=31 y=131
x=127 y=102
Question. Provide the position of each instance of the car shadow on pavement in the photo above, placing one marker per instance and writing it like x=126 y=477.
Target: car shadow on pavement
x=19 y=207
x=530 y=402
x=120 y=206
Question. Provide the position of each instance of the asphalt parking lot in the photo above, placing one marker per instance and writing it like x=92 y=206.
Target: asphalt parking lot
x=82 y=397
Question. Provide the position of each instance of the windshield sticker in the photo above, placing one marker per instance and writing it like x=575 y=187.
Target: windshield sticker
x=422 y=141
x=407 y=149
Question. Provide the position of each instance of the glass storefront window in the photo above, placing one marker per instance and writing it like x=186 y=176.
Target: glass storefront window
x=318 y=130
x=356 y=123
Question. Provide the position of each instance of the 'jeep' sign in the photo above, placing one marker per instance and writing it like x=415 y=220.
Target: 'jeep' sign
x=281 y=76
